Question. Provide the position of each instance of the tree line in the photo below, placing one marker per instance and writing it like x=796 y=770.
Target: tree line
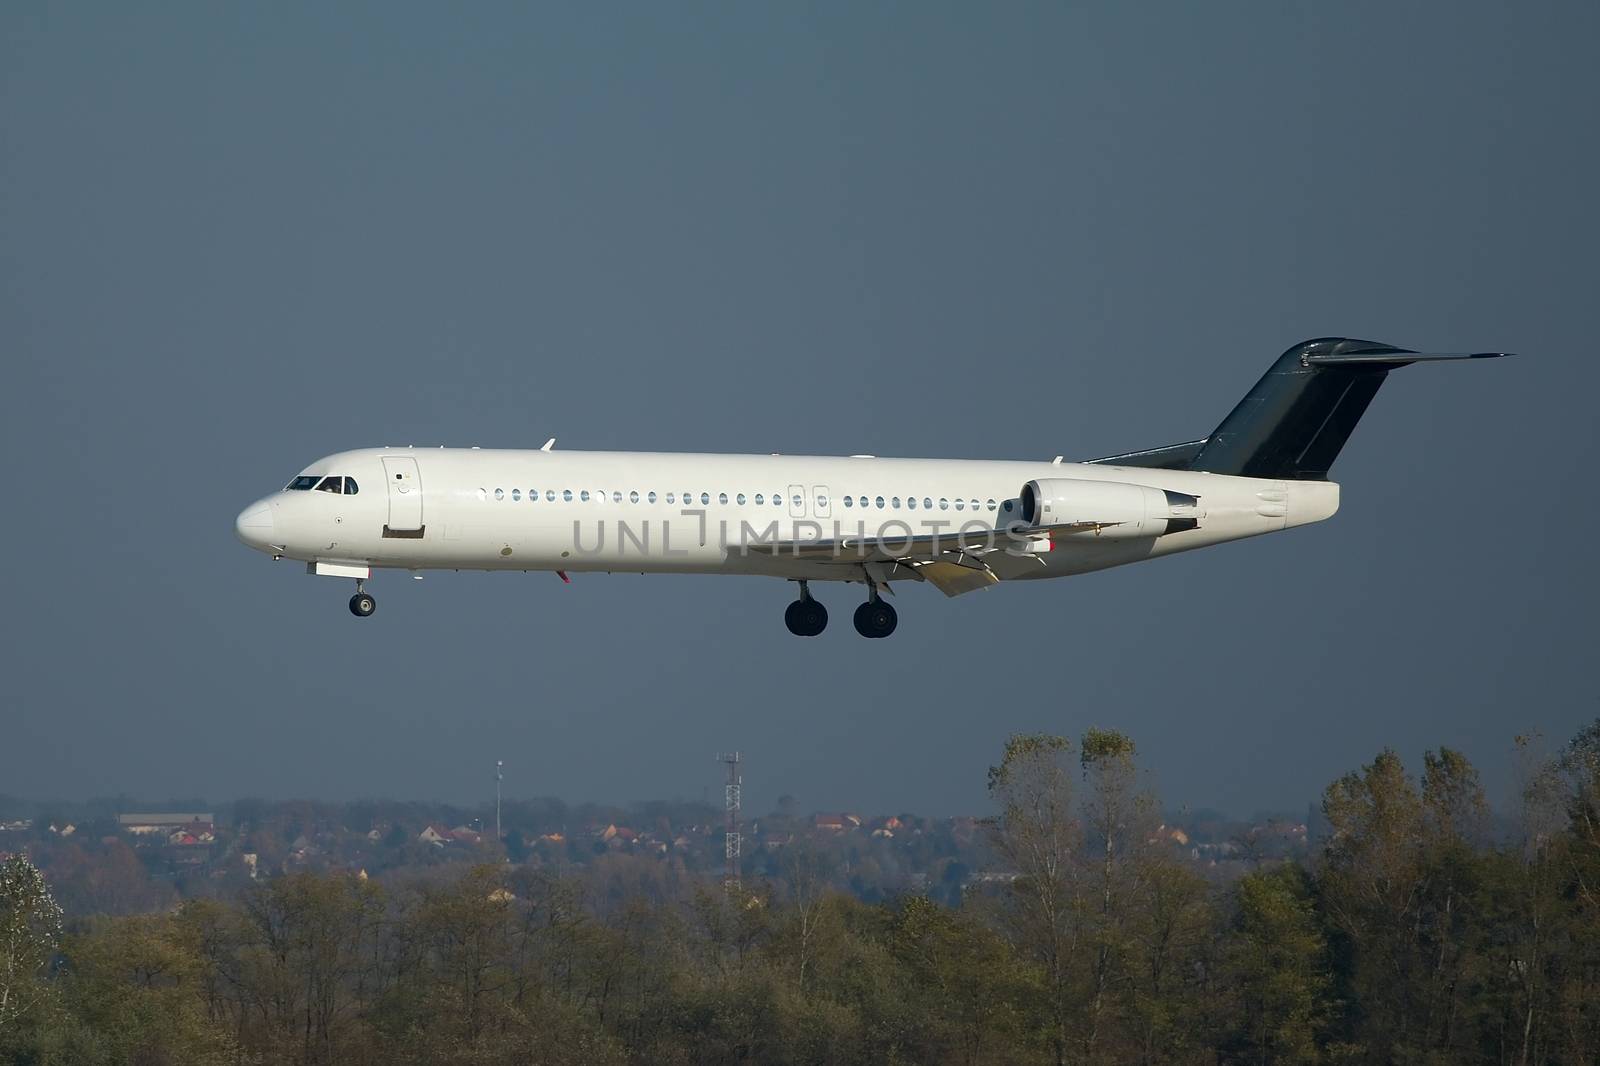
x=1417 y=933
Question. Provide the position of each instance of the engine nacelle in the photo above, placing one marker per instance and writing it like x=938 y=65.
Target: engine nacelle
x=1108 y=508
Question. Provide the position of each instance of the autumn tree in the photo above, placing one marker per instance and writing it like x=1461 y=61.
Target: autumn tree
x=1373 y=881
x=1037 y=834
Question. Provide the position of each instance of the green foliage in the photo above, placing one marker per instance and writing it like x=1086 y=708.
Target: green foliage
x=1101 y=745
x=1414 y=937
x=1276 y=970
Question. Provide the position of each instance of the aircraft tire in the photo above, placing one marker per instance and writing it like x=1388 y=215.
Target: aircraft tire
x=806 y=618
x=876 y=619
x=362 y=605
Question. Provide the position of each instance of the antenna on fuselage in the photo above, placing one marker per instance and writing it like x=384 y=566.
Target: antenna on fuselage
x=551 y=443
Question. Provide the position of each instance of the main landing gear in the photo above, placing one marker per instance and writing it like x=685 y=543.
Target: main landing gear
x=805 y=617
x=361 y=604
x=875 y=618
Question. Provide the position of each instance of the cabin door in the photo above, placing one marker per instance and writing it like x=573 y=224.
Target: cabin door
x=405 y=494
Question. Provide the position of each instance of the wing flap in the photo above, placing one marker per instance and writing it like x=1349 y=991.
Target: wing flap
x=953 y=579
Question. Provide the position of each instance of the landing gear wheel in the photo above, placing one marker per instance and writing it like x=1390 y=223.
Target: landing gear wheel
x=362 y=605
x=876 y=619
x=806 y=617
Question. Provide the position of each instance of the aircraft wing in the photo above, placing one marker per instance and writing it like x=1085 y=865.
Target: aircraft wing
x=923 y=546
x=951 y=561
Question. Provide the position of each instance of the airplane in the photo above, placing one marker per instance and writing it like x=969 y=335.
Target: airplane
x=960 y=525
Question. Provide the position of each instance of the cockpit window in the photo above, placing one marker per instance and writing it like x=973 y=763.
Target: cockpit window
x=303 y=482
x=331 y=484
x=350 y=487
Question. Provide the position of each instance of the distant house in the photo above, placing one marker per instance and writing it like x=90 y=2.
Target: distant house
x=195 y=834
x=437 y=835
x=832 y=822
x=466 y=835
x=163 y=823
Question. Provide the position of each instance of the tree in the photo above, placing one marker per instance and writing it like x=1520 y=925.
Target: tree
x=1373 y=882
x=1455 y=817
x=1037 y=834
x=30 y=928
x=1275 y=969
x=1119 y=818
x=133 y=990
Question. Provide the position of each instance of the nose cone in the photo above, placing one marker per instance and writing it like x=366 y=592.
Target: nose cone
x=254 y=526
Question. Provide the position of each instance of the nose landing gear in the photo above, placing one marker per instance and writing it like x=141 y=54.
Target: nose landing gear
x=361 y=604
x=805 y=617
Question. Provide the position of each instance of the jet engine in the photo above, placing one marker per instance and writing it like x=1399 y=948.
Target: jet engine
x=1108 y=508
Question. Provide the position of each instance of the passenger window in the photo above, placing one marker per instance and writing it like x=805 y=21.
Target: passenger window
x=705 y=499
x=927 y=503
x=960 y=504
x=566 y=495
x=583 y=495
x=516 y=495
x=651 y=496
x=879 y=502
x=722 y=498
x=799 y=501
x=991 y=505
x=849 y=502
x=616 y=495
x=350 y=486
x=911 y=502
x=499 y=494
x=671 y=497
x=760 y=499
x=533 y=495
x=550 y=495
x=894 y=502
x=741 y=499
x=302 y=483
x=331 y=484
x=822 y=499
x=944 y=504
x=633 y=497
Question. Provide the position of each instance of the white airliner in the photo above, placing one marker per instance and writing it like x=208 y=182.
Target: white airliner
x=958 y=524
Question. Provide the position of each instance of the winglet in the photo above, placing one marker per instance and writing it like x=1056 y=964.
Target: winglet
x=551 y=443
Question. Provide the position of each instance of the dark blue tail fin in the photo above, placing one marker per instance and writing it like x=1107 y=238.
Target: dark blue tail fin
x=1295 y=421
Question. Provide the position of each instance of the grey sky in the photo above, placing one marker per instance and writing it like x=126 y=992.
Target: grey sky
x=235 y=239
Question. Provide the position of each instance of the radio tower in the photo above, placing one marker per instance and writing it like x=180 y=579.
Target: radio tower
x=730 y=838
x=499 y=772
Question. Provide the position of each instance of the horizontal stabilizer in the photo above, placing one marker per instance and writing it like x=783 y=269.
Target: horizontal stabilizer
x=1392 y=358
